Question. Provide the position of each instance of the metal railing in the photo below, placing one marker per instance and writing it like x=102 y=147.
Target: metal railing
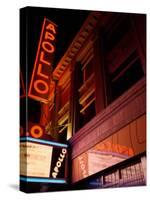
x=130 y=172
x=129 y=175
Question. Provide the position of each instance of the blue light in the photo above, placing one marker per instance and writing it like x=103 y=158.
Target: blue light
x=43 y=141
x=42 y=180
x=94 y=183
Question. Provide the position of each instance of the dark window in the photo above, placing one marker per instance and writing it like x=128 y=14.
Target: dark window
x=118 y=30
x=88 y=70
x=122 y=60
x=125 y=76
x=89 y=113
x=86 y=93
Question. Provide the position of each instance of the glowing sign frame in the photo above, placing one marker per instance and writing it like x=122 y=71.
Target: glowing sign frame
x=43 y=63
x=43 y=179
x=41 y=141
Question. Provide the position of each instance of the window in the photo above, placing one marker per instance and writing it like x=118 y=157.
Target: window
x=86 y=89
x=122 y=60
x=128 y=73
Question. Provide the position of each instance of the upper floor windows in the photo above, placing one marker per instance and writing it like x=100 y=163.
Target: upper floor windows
x=123 y=63
x=108 y=64
x=86 y=90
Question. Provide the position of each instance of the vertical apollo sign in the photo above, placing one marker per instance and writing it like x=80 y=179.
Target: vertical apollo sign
x=41 y=75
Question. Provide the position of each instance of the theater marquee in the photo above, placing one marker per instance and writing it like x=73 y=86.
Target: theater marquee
x=41 y=75
x=42 y=161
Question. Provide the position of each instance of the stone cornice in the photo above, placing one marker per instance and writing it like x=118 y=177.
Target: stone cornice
x=87 y=28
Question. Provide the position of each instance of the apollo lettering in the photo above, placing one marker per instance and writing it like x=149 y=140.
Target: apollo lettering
x=34 y=130
x=59 y=163
x=83 y=167
x=40 y=81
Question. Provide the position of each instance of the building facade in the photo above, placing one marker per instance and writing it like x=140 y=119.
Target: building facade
x=98 y=101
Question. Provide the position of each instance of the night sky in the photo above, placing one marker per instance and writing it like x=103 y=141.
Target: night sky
x=69 y=22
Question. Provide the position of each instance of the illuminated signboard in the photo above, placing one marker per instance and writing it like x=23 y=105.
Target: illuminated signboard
x=82 y=161
x=42 y=161
x=34 y=130
x=41 y=75
x=22 y=87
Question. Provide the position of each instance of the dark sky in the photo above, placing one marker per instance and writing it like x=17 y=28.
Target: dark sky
x=69 y=23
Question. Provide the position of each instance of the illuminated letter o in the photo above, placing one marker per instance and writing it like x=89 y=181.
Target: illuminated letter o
x=36 y=131
x=58 y=164
x=41 y=91
x=50 y=48
x=64 y=151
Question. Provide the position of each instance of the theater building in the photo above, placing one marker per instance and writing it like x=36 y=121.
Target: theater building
x=98 y=101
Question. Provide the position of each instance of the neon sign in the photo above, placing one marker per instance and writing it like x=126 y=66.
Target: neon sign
x=34 y=130
x=83 y=161
x=38 y=158
x=116 y=148
x=41 y=75
x=59 y=163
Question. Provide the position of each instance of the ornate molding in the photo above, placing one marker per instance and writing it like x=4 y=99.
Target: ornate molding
x=85 y=31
